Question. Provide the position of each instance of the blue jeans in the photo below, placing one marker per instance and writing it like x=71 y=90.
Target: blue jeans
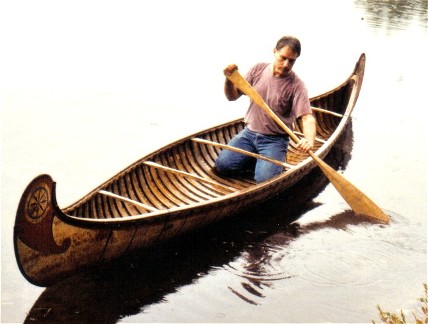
x=231 y=163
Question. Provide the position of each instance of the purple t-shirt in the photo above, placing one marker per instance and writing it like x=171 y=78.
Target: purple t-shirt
x=286 y=96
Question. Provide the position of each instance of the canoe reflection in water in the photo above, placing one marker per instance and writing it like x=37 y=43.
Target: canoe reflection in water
x=131 y=284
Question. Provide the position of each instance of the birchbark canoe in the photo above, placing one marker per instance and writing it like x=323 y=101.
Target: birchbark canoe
x=165 y=194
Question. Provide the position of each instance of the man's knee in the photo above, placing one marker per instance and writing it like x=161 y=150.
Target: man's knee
x=222 y=164
x=219 y=166
x=264 y=174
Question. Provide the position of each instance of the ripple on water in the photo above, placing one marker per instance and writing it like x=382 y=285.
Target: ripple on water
x=353 y=264
x=360 y=256
x=406 y=236
x=258 y=268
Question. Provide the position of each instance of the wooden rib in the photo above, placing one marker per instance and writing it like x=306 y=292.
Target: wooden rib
x=92 y=208
x=316 y=138
x=325 y=111
x=132 y=191
x=148 y=188
x=108 y=193
x=254 y=155
x=182 y=186
x=164 y=190
x=111 y=205
x=120 y=188
x=116 y=206
x=188 y=164
x=326 y=125
x=123 y=190
x=101 y=207
x=186 y=174
x=182 y=183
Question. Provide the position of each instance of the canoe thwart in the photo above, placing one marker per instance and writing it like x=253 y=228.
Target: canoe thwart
x=186 y=174
x=317 y=139
x=325 y=111
x=134 y=202
x=238 y=150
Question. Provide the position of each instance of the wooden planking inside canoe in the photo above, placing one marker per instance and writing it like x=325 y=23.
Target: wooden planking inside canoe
x=164 y=190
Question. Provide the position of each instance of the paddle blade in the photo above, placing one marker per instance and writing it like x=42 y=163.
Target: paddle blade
x=357 y=200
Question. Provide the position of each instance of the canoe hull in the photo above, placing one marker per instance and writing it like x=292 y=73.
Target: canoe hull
x=54 y=248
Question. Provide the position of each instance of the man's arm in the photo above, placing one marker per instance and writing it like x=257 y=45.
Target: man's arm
x=309 y=130
x=232 y=93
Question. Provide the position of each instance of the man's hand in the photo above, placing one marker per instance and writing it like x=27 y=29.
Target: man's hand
x=309 y=130
x=231 y=92
x=305 y=145
x=230 y=69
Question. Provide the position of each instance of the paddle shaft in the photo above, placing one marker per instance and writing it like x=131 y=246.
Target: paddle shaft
x=358 y=201
x=246 y=88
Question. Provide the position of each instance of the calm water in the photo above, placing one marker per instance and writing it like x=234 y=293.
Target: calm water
x=88 y=88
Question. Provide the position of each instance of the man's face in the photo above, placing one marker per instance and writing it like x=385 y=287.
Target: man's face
x=284 y=61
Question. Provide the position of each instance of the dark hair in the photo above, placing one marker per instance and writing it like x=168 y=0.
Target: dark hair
x=292 y=42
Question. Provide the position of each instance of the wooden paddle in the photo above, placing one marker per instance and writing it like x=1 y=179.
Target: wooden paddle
x=358 y=201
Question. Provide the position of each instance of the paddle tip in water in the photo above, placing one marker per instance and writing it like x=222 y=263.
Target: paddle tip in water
x=381 y=218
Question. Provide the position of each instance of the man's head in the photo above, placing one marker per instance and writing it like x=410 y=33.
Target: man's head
x=290 y=41
x=286 y=52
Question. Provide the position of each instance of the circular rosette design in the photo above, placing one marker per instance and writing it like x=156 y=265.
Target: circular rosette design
x=37 y=204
